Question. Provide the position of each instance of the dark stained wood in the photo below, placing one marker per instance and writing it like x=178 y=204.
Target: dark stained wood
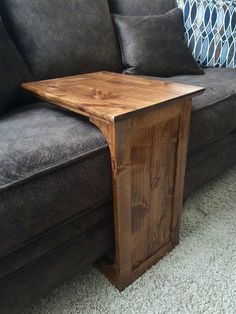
x=146 y=124
x=146 y=151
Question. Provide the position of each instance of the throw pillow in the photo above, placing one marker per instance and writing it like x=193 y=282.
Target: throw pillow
x=211 y=31
x=59 y=38
x=154 y=45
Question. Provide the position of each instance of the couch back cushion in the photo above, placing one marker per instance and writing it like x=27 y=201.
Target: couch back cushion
x=59 y=38
x=13 y=71
x=141 y=7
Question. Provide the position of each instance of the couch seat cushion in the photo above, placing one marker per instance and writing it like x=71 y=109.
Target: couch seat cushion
x=54 y=165
x=213 y=112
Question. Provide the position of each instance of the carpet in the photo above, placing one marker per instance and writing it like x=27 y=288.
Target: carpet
x=198 y=276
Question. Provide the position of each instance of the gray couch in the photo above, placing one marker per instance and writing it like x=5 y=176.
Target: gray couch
x=55 y=172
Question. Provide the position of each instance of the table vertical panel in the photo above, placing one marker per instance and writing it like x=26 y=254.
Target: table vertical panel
x=147 y=150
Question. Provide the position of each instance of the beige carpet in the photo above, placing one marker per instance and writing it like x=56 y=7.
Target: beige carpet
x=199 y=276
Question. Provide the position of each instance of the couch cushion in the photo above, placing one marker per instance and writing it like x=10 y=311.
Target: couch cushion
x=13 y=71
x=39 y=277
x=141 y=7
x=209 y=163
x=155 y=45
x=213 y=112
x=58 y=236
x=59 y=38
x=53 y=166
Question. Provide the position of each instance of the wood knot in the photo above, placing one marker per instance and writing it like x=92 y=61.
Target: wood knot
x=155 y=182
x=101 y=94
x=174 y=140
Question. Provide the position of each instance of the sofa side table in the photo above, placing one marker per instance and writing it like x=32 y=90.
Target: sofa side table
x=146 y=125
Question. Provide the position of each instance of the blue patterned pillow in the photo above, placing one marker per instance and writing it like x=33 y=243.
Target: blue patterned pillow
x=211 y=31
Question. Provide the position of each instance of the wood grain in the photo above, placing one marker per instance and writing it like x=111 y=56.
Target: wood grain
x=147 y=187
x=109 y=96
x=146 y=124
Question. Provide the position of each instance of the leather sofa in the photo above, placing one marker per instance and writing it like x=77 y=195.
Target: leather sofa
x=55 y=173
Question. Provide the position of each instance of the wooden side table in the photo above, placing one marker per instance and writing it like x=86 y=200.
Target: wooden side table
x=146 y=124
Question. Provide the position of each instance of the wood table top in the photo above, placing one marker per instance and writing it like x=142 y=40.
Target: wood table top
x=110 y=96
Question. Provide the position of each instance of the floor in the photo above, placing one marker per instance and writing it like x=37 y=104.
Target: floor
x=199 y=276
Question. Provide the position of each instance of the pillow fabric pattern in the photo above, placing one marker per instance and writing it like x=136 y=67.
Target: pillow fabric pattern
x=211 y=31
x=155 y=45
